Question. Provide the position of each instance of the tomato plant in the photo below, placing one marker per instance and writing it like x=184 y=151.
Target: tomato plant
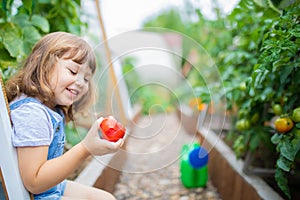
x=273 y=87
x=111 y=129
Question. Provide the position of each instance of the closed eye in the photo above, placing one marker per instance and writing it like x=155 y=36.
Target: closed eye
x=87 y=79
x=72 y=72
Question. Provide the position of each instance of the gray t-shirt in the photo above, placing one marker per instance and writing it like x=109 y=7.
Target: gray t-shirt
x=32 y=124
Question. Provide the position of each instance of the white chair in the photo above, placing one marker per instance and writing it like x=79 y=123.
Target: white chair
x=11 y=182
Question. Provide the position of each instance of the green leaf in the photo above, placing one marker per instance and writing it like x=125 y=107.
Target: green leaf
x=282 y=182
x=295 y=32
x=285 y=73
x=276 y=138
x=296 y=145
x=12 y=39
x=254 y=142
x=30 y=37
x=40 y=22
x=283 y=164
x=6 y=60
x=74 y=28
x=267 y=93
x=28 y=5
x=287 y=150
x=45 y=1
x=6 y=4
x=4 y=55
x=22 y=20
x=281 y=62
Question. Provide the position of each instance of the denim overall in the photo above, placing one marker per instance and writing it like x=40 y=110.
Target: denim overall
x=55 y=149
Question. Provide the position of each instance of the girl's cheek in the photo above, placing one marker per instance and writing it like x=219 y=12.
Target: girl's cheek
x=86 y=89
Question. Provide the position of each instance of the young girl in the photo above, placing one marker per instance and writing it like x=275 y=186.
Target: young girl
x=54 y=81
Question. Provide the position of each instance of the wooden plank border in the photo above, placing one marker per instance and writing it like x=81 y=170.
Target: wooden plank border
x=226 y=172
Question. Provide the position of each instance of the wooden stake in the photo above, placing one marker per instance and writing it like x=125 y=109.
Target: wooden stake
x=111 y=68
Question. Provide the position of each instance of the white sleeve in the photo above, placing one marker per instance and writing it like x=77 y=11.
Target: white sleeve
x=32 y=125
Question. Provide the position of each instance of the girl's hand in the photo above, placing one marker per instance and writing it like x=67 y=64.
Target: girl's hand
x=97 y=146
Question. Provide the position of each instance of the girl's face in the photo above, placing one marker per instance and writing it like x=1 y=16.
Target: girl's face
x=69 y=81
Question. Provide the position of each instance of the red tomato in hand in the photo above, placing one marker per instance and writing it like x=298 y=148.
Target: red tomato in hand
x=112 y=130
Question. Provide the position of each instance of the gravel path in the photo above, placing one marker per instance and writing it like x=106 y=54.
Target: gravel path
x=162 y=184
x=152 y=167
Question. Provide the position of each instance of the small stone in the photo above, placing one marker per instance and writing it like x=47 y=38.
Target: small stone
x=210 y=196
x=145 y=195
x=173 y=190
x=157 y=194
x=164 y=182
x=192 y=196
x=175 y=181
x=184 y=198
x=199 y=197
x=184 y=191
x=199 y=190
x=175 y=197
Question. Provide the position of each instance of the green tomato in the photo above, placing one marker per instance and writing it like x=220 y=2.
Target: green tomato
x=255 y=118
x=242 y=124
x=242 y=113
x=297 y=133
x=239 y=125
x=243 y=86
x=277 y=109
x=246 y=124
x=296 y=115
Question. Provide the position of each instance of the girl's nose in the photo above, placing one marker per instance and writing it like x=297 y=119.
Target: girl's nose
x=79 y=81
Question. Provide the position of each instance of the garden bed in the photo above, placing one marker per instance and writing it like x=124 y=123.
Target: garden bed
x=226 y=172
